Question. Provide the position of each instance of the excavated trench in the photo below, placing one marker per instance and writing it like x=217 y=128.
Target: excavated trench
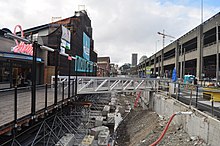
x=142 y=127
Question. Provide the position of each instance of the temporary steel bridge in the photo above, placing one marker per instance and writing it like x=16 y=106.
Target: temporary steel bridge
x=43 y=112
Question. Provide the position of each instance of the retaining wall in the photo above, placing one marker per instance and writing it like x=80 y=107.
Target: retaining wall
x=198 y=124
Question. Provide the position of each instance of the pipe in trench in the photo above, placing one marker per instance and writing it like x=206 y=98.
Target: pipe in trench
x=167 y=126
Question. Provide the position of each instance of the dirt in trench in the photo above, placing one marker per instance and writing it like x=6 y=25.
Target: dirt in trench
x=143 y=127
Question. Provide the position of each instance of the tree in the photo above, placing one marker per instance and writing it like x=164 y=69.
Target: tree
x=125 y=68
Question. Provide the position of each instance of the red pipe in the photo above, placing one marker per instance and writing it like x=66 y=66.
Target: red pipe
x=137 y=98
x=164 y=131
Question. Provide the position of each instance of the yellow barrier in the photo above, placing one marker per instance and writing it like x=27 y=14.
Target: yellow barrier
x=210 y=93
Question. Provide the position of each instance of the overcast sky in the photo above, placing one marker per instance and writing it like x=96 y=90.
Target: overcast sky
x=120 y=27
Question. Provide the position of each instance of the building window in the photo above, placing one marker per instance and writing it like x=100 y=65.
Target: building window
x=5 y=72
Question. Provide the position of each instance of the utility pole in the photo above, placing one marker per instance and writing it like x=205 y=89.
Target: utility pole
x=217 y=53
x=161 y=58
x=201 y=39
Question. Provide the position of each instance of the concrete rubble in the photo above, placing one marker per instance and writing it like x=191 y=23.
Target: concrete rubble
x=143 y=127
x=98 y=121
x=87 y=141
x=105 y=110
x=96 y=130
x=138 y=128
x=103 y=138
x=101 y=121
x=111 y=118
x=66 y=140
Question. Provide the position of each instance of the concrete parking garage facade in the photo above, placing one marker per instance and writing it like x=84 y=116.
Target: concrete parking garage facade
x=193 y=53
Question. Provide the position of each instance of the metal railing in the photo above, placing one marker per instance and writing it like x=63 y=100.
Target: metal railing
x=20 y=99
x=198 y=96
x=19 y=104
x=117 y=84
x=16 y=104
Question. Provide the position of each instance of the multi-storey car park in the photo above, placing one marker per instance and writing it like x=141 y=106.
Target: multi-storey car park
x=195 y=53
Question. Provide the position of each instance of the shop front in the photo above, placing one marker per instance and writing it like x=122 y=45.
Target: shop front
x=15 y=70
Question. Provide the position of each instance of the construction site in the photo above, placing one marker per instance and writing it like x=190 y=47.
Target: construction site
x=111 y=111
x=56 y=91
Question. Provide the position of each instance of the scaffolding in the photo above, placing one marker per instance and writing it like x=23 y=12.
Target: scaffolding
x=74 y=121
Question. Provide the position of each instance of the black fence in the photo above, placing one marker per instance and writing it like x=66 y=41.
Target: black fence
x=20 y=104
x=202 y=96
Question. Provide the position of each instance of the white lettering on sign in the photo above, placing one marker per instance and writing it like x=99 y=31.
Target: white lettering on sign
x=21 y=47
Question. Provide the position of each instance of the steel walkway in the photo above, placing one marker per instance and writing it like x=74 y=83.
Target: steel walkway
x=21 y=99
x=91 y=85
x=19 y=106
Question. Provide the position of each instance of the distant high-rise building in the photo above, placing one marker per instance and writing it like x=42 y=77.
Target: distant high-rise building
x=134 y=59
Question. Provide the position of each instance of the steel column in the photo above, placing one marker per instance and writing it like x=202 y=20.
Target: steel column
x=15 y=105
x=217 y=53
x=69 y=78
x=45 y=97
x=76 y=63
x=56 y=77
x=34 y=65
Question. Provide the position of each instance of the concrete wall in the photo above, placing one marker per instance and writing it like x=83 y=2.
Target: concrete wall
x=144 y=100
x=198 y=54
x=210 y=50
x=197 y=124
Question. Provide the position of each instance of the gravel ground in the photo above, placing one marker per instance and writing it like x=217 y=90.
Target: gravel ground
x=143 y=127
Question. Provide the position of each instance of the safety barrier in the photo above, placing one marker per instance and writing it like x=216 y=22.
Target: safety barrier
x=196 y=96
x=19 y=105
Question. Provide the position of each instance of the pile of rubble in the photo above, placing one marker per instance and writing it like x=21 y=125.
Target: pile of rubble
x=103 y=117
x=143 y=127
x=175 y=136
x=138 y=128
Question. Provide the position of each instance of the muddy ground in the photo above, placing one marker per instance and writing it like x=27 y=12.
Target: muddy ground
x=143 y=127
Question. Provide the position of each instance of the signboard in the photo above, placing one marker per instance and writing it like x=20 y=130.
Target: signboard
x=86 y=46
x=21 y=47
x=82 y=65
x=19 y=56
x=65 y=40
x=148 y=70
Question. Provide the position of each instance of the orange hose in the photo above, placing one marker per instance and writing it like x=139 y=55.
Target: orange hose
x=164 y=131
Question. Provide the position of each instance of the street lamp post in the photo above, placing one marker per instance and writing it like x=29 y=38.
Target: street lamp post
x=201 y=39
x=217 y=53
